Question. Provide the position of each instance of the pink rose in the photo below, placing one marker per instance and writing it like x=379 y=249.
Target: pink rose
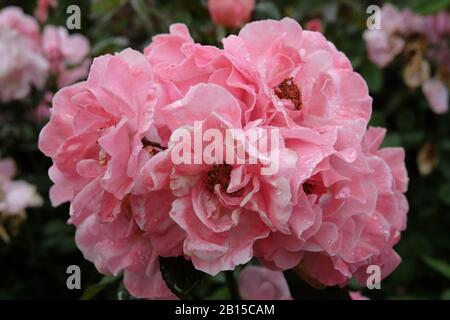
x=382 y=47
x=43 y=7
x=384 y=44
x=364 y=217
x=259 y=283
x=436 y=93
x=23 y=65
x=7 y=169
x=67 y=54
x=188 y=64
x=300 y=78
x=96 y=138
x=87 y=121
x=15 y=195
x=231 y=13
x=223 y=207
x=314 y=25
x=122 y=246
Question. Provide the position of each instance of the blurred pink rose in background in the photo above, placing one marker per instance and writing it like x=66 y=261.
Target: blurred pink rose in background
x=66 y=53
x=7 y=169
x=314 y=25
x=42 y=111
x=259 y=283
x=15 y=195
x=23 y=64
x=231 y=13
x=43 y=7
x=424 y=41
x=384 y=45
x=436 y=93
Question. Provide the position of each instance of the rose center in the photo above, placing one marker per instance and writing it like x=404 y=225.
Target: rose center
x=152 y=147
x=289 y=90
x=308 y=188
x=220 y=174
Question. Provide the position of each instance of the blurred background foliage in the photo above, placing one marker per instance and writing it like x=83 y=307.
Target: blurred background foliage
x=34 y=264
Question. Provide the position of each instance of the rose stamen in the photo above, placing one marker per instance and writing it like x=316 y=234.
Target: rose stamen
x=152 y=147
x=220 y=174
x=289 y=90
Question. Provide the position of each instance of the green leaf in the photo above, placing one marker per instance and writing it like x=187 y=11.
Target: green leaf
x=378 y=119
x=143 y=14
x=106 y=7
x=266 y=10
x=440 y=266
x=109 y=45
x=430 y=6
x=221 y=294
x=95 y=289
x=373 y=75
x=180 y=275
x=123 y=294
x=392 y=140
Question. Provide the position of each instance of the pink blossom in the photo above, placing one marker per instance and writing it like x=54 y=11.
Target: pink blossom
x=392 y=19
x=382 y=47
x=7 y=168
x=120 y=245
x=42 y=111
x=426 y=37
x=384 y=44
x=15 y=195
x=67 y=54
x=95 y=138
x=259 y=283
x=43 y=7
x=87 y=121
x=356 y=295
x=413 y=23
x=300 y=78
x=335 y=205
x=364 y=216
x=314 y=25
x=188 y=64
x=222 y=207
x=231 y=13
x=436 y=93
x=23 y=65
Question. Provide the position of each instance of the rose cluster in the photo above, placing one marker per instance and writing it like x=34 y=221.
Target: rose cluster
x=29 y=57
x=335 y=205
x=424 y=42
